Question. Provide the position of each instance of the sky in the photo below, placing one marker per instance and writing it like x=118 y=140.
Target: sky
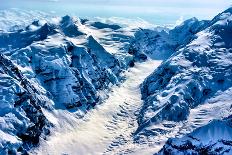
x=154 y=11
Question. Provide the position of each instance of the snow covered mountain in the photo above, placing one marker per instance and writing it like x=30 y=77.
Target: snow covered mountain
x=54 y=63
x=160 y=43
x=70 y=84
x=190 y=89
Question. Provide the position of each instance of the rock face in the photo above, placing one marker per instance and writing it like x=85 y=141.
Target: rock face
x=22 y=119
x=47 y=66
x=194 y=74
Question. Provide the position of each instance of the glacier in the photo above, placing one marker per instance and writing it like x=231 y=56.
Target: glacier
x=114 y=86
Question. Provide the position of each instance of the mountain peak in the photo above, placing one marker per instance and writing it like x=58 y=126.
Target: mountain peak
x=229 y=10
x=69 y=26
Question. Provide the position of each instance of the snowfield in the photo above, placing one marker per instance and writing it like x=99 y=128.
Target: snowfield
x=114 y=86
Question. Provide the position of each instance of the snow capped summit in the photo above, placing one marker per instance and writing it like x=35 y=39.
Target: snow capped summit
x=185 y=32
x=69 y=26
x=161 y=43
x=226 y=15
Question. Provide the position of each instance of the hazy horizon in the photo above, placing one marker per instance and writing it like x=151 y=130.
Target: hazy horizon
x=154 y=11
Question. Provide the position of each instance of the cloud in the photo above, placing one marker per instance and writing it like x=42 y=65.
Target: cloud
x=155 y=11
x=180 y=20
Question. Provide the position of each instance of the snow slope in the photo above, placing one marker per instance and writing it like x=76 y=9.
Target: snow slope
x=190 y=88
